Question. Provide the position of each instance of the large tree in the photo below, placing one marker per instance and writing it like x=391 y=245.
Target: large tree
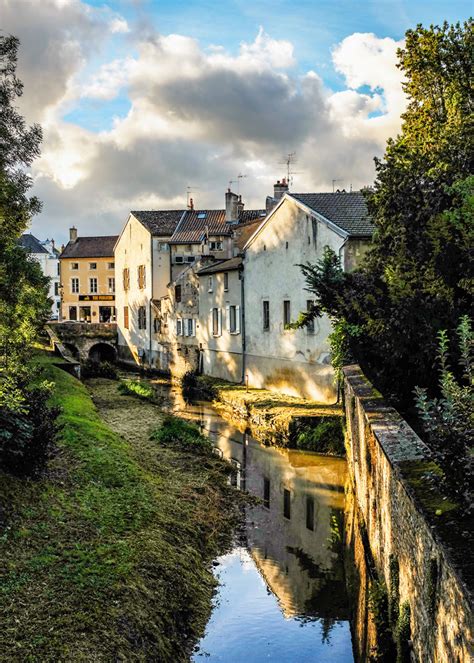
x=417 y=278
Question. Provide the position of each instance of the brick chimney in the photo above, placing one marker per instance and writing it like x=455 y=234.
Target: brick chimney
x=191 y=205
x=280 y=188
x=231 y=206
x=72 y=234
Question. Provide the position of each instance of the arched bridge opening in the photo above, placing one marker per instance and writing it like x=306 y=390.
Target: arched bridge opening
x=102 y=352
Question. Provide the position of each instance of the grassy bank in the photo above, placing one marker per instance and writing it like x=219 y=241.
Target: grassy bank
x=107 y=557
x=274 y=417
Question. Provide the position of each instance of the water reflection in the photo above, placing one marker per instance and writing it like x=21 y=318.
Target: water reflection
x=282 y=595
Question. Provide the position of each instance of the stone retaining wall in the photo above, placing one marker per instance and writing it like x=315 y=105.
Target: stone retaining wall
x=383 y=452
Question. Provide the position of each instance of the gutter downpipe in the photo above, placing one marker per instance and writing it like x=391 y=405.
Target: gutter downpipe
x=151 y=303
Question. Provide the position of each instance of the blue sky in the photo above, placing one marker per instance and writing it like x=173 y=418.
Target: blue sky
x=139 y=99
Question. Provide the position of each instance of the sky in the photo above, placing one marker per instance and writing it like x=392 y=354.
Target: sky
x=139 y=100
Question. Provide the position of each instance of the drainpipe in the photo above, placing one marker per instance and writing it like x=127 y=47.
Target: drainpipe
x=242 y=309
x=341 y=248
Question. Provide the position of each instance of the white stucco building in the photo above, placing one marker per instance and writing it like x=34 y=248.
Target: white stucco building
x=296 y=231
x=47 y=256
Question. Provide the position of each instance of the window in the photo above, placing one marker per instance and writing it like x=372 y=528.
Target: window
x=226 y=281
x=179 y=327
x=93 y=285
x=163 y=247
x=74 y=265
x=216 y=322
x=141 y=317
x=141 y=277
x=157 y=325
x=92 y=265
x=286 y=246
x=190 y=259
x=75 y=286
x=125 y=317
x=233 y=319
x=111 y=282
x=189 y=327
x=287 y=503
x=286 y=312
x=110 y=265
x=210 y=283
x=310 y=326
x=56 y=289
x=177 y=293
x=266 y=315
x=126 y=278
x=310 y=512
x=215 y=246
x=266 y=492
x=179 y=259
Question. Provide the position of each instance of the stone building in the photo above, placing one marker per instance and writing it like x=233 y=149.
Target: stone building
x=87 y=275
x=143 y=273
x=47 y=256
x=296 y=231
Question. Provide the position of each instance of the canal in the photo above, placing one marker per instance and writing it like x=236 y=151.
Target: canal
x=282 y=593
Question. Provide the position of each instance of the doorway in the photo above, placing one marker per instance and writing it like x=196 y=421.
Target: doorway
x=85 y=313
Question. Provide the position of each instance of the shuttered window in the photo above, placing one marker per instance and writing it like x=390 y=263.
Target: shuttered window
x=141 y=277
x=216 y=321
x=141 y=317
x=125 y=317
x=126 y=278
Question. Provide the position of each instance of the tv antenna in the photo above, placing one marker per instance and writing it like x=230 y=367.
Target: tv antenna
x=289 y=160
x=333 y=183
x=189 y=190
x=237 y=181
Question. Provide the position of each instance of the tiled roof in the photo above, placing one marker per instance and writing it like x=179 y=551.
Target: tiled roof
x=242 y=233
x=346 y=210
x=90 y=247
x=160 y=223
x=193 y=225
x=221 y=266
x=31 y=244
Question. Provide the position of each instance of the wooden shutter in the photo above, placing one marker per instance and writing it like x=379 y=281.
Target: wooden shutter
x=237 y=319
x=227 y=317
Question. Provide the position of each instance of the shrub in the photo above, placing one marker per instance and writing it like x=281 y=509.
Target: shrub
x=27 y=434
x=378 y=606
x=179 y=434
x=188 y=382
x=326 y=437
x=137 y=388
x=96 y=369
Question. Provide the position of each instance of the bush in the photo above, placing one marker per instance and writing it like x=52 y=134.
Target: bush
x=27 y=435
x=136 y=388
x=327 y=437
x=179 y=434
x=96 y=369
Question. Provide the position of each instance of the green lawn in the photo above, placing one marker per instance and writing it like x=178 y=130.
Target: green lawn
x=106 y=558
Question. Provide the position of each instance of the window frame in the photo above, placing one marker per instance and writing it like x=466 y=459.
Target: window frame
x=74 y=280
x=111 y=285
x=226 y=281
x=92 y=266
x=93 y=290
x=74 y=266
x=286 y=313
x=266 y=315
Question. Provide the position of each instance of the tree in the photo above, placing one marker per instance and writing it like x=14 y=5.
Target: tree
x=26 y=422
x=417 y=278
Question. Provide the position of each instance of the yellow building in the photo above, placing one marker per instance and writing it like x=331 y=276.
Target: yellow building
x=87 y=276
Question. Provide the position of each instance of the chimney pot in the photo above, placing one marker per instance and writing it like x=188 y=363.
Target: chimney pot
x=279 y=189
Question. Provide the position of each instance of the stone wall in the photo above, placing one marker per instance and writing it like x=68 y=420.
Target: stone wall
x=401 y=519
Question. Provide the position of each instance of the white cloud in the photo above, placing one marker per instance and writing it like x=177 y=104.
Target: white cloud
x=198 y=116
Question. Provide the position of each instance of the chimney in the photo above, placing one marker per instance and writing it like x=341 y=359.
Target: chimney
x=72 y=234
x=279 y=189
x=191 y=204
x=231 y=206
x=240 y=207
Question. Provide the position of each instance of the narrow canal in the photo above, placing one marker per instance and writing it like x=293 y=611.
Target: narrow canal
x=282 y=594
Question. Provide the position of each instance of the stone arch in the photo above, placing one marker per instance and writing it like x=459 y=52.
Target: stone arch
x=102 y=352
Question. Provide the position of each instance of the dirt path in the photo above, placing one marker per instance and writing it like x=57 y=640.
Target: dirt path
x=128 y=416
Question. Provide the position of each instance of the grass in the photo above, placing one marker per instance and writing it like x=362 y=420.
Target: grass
x=137 y=388
x=107 y=557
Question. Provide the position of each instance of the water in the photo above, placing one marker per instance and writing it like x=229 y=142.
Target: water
x=282 y=590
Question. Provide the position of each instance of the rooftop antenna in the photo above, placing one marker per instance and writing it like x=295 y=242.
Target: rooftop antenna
x=239 y=178
x=289 y=160
x=334 y=182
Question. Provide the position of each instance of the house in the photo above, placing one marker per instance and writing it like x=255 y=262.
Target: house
x=221 y=325
x=296 y=231
x=143 y=268
x=87 y=276
x=47 y=256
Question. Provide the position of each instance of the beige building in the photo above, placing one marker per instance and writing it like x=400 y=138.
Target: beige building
x=87 y=279
x=296 y=231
